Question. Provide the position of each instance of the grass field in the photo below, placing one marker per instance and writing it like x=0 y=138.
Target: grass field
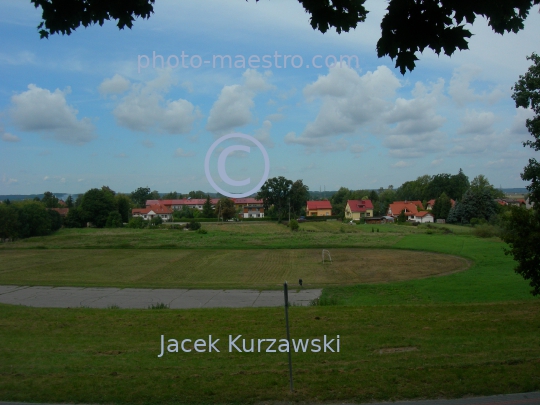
x=386 y=353
x=218 y=268
x=473 y=332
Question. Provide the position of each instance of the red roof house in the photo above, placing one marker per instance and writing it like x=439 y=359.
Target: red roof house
x=319 y=208
x=356 y=209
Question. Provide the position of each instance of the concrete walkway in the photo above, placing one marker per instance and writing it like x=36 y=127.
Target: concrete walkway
x=95 y=297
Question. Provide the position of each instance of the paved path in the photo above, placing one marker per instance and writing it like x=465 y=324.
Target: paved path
x=529 y=398
x=95 y=297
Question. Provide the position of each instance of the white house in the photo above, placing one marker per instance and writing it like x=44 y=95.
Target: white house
x=422 y=217
x=153 y=211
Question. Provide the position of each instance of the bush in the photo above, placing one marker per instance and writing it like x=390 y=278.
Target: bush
x=157 y=220
x=293 y=224
x=193 y=225
x=136 y=223
x=486 y=231
x=114 y=220
x=202 y=231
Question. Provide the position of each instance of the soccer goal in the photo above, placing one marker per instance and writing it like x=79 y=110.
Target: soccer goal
x=326 y=253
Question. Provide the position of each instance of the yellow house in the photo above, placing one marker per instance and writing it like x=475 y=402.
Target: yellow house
x=356 y=209
x=318 y=208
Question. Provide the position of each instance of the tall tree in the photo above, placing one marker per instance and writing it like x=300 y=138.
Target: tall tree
x=442 y=207
x=123 y=205
x=407 y=29
x=208 y=211
x=173 y=195
x=275 y=192
x=140 y=196
x=96 y=206
x=522 y=228
x=225 y=208
x=50 y=200
x=197 y=194
x=9 y=221
x=480 y=184
x=69 y=201
x=299 y=195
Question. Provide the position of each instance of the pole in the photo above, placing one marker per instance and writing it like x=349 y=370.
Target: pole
x=286 y=292
x=289 y=209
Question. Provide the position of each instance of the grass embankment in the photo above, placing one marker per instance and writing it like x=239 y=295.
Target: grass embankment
x=386 y=353
x=217 y=268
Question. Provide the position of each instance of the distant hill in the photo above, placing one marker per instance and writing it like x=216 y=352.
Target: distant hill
x=20 y=197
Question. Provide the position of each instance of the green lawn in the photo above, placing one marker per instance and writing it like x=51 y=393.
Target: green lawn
x=386 y=353
x=474 y=332
x=491 y=278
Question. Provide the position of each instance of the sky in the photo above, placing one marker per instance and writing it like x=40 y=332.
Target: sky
x=142 y=107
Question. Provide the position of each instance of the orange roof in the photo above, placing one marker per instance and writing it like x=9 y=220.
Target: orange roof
x=319 y=205
x=158 y=209
x=423 y=214
x=417 y=203
x=398 y=206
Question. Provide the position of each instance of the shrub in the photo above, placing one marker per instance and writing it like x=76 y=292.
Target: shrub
x=136 y=223
x=486 y=231
x=202 y=231
x=193 y=225
x=114 y=220
x=293 y=224
x=156 y=221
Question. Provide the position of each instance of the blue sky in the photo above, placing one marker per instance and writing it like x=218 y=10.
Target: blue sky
x=82 y=111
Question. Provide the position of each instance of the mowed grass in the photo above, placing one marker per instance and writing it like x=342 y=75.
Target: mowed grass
x=217 y=268
x=386 y=353
x=491 y=277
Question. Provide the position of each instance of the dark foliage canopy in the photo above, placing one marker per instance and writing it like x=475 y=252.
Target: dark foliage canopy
x=409 y=26
x=522 y=228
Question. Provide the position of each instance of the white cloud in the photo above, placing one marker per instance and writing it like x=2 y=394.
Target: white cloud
x=401 y=164
x=116 y=85
x=233 y=107
x=436 y=162
x=39 y=110
x=45 y=178
x=8 y=180
x=477 y=122
x=349 y=102
x=7 y=137
x=145 y=109
x=263 y=134
x=413 y=125
x=461 y=92
x=182 y=153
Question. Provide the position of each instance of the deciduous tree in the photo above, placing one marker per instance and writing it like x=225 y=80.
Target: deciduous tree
x=522 y=227
x=407 y=29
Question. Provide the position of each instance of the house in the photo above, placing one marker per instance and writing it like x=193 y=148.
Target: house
x=252 y=211
x=423 y=217
x=396 y=207
x=244 y=202
x=356 y=209
x=431 y=203
x=418 y=203
x=152 y=211
x=62 y=211
x=319 y=208
x=197 y=203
